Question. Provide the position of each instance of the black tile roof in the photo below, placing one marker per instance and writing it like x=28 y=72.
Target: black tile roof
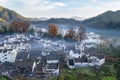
x=82 y=59
x=55 y=55
x=52 y=66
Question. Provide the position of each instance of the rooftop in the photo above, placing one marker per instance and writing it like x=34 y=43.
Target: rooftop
x=82 y=59
x=52 y=66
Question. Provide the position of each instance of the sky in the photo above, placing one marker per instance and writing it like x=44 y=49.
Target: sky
x=61 y=8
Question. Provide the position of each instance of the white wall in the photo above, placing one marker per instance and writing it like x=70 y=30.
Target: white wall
x=52 y=61
x=102 y=61
x=8 y=56
x=83 y=64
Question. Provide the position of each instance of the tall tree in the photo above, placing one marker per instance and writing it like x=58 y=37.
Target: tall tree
x=53 y=30
x=81 y=33
x=71 y=34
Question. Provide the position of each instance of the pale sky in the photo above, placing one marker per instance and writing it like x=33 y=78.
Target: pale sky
x=61 y=8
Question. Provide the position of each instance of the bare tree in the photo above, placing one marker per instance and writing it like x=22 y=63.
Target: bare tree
x=71 y=34
x=81 y=33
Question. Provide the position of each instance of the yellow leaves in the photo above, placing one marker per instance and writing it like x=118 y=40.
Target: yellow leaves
x=1 y=8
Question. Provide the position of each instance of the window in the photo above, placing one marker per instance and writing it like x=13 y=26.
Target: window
x=5 y=58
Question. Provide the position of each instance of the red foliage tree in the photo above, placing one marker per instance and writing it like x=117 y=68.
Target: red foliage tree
x=19 y=26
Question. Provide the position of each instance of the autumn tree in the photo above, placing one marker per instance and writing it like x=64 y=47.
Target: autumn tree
x=53 y=30
x=19 y=26
x=71 y=34
x=81 y=33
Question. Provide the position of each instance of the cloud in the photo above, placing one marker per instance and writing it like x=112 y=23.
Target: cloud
x=33 y=8
x=59 y=4
x=3 y=0
x=33 y=4
x=61 y=8
x=93 y=0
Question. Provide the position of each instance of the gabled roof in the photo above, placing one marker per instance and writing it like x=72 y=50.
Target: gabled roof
x=55 y=55
x=77 y=51
x=22 y=55
x=71 y=47
x=52 y=66
x=99 y=56
x=82 y=59
x=91 y=51
x=35 y=54
x=24 y=63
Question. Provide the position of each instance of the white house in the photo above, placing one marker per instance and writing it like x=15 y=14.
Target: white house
x=92 y=40
x=81 y=62
x=52 y=68
x=84 y=60
x=97 y=59
x=71 y=63
x=79 y=46
x=78 y=62
x=8 y=55
x=54 y=57
x=75 y=54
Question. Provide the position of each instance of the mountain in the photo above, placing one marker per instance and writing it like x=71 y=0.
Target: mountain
x=10 y=15
x=78 y=18
x=61 y=22
x=43 y=19
x=107 y=20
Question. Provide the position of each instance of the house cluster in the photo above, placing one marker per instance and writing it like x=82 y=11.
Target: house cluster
x=84 y=54
x=92 y=40
x=11 y=45
x=19 y=57
x=52 y=61
x=77 y=59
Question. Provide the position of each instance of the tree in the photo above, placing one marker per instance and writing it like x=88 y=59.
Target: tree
x=4 y=29
x=19 y=26
x=1 y=30
x=3 y=78
x=68 y=77
x=71 y=34
x=31 y=30
x=81 y=33
x=53 y=30
x=117 y=67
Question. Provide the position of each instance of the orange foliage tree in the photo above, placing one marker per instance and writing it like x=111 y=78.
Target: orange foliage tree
x=53 y=30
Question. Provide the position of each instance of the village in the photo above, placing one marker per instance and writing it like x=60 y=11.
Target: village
x=30 y=56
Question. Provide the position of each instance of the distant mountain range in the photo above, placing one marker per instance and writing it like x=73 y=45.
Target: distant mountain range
x=60 y=22
x=78 y=18
x=107 y=20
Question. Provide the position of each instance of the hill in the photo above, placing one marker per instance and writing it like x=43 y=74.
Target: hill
x=61 y=22
x=10 y=15
x=107 y=20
